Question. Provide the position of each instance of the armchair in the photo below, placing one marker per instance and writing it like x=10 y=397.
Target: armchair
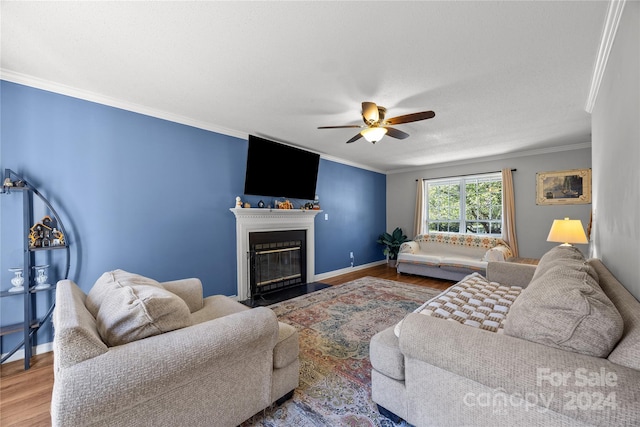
x=229 y=364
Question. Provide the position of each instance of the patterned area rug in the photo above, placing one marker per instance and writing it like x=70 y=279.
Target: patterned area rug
x=335 y=326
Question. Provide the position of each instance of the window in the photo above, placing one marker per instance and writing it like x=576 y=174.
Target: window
x=465 y=204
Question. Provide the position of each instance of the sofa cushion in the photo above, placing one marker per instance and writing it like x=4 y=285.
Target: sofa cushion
x=385 y=355
x=108 y=282
x=564 y=307
x=287 y=348
x=627 y=351
x=131 y=312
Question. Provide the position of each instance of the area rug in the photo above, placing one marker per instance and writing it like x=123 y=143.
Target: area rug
x=335 y=327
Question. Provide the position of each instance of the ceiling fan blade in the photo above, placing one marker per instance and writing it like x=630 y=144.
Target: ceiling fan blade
x=355 y=138
x=370 y=112
x=395 y=133
x=408 y=118
x=339 y=127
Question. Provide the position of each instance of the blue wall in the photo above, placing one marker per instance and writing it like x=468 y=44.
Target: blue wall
x=152 y=196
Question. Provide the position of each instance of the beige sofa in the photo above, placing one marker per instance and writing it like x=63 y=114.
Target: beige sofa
x=228 y=363
x=450 y=256
x=445 y=373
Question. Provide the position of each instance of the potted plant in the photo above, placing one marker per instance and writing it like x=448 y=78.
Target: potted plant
x=392 y=243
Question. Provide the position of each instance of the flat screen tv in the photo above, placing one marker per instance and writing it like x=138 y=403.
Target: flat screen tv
x=278 y=170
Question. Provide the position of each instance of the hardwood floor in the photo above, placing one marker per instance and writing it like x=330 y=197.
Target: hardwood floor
x=25 y=396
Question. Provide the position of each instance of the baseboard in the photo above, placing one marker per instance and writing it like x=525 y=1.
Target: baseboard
x=322 y=276
x=39 y=349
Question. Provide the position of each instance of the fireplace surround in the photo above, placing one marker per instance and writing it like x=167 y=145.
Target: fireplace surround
x=253 y=220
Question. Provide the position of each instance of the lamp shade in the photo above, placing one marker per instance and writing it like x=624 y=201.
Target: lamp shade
x=567 y=231
x=373 y=134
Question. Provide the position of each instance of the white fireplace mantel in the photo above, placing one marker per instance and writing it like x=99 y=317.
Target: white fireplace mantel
x=250 y=220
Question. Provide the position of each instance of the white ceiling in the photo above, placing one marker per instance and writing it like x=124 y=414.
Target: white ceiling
x=501 y=76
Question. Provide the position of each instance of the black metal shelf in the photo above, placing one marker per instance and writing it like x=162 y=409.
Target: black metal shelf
x=31 y=323
x=48 y=248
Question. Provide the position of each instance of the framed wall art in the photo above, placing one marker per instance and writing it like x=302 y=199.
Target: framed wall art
x=570 y=187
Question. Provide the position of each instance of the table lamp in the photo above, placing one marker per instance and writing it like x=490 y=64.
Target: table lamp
x=567 y=231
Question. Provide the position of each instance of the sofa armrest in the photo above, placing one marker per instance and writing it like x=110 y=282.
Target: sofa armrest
x=410 y=247
x=190 y=290
x=519 y=367
x=171 y=364
x=510 y=273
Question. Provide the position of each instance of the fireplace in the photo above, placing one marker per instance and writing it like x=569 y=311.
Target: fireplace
x=251 y=221
x=277 y=260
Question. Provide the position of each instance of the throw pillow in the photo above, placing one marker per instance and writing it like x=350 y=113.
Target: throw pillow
x=132 y=312
x=564 y=307
x=108 y=282
x=497 y=254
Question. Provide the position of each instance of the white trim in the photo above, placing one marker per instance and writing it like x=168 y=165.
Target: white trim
x=512 y=155
x=255 y=220
x=61 y=89
x=39 y=349
x=321 y=277
x=23 y=79
x=611 y=22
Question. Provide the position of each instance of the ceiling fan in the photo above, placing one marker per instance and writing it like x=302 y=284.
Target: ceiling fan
x=376 y=126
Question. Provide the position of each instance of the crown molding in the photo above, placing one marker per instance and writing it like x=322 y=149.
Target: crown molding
x=515 y=154
x=61 y=89
x=85 y=95
x=49 y=86
x=612 y=20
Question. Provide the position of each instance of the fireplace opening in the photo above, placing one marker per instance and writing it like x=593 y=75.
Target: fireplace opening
x=277 y=260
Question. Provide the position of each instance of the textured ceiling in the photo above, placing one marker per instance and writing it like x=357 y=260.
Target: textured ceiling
x=502 y=77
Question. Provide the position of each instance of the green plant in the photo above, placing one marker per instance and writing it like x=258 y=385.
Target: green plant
x=392 y=242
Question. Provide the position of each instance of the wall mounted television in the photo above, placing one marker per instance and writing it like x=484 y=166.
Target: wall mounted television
x=279 y=170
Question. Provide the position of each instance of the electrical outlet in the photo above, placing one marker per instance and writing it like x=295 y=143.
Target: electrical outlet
x=326 y=217
x=351 y=255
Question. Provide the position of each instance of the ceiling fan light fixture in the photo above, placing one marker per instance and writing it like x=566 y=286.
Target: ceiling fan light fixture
x=374 y=134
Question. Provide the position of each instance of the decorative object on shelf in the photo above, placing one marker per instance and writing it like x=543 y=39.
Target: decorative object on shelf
x=570 y=187
x=7 y=182
x=284 y=205
x=41 y=276
x=238 y=202
x=18 y=281
x=261 y=204
x=308 y=206
x=316 y=203
x=247 y=205
x=45 y=234
x=392 y=243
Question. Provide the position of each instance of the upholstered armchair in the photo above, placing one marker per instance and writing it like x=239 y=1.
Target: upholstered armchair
x=137 y=352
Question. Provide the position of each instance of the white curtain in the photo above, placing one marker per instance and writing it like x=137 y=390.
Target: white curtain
x=509 y=212
x=419 y=215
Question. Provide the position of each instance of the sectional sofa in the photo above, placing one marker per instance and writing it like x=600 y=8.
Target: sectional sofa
x=566 y=352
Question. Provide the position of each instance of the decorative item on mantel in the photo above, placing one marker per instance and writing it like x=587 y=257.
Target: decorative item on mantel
x=238 y=202
x=46 y=234
x=284 y=205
